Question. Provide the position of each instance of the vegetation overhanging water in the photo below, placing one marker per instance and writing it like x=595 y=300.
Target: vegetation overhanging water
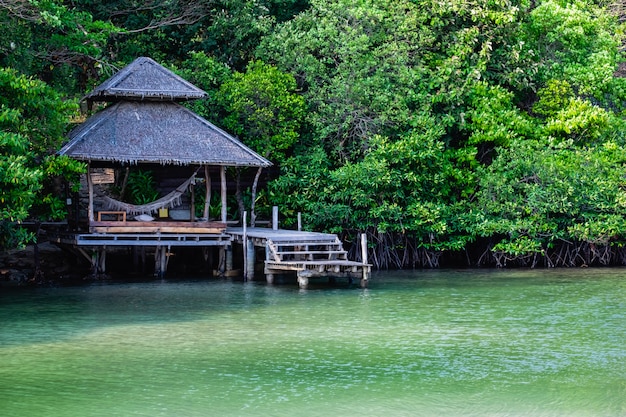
x=455 y=343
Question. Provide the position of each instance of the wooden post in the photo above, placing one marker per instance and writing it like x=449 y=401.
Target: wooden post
x=192 y=208
x=275 y=218
x=94 y=263
x=226 y=255
x=299 y=222
x=366 y=267
x=229 y=259
x=102 y=267
x=90 y=191
x=169 y=253
x=251 y=258
x=269 y=277
x=221 y=268
x=160 y=261
x=207 y=195
x=223 y=190
x=303 y=279
x=245 y=246
x=159 y=256
x=157 y=261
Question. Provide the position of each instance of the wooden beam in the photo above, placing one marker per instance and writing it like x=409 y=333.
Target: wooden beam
x=90 y=191
x=207 y=195
x=192 y=208
x=224 y=193
x=156 y=229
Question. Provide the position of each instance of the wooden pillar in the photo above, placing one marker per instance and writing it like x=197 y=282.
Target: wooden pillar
x=244 y=241
x=274 y=218
x=207 y=195
x=157 y=262
x=303 y=280
x=366 y=268
x=102 y=264
x=299 y=222
x=226 y=253
x=90 y=191
x=222 y=260
x=163 y=267
x=269 y=277
x=224 y=193
x=251 y=258
x=248 y=251
x=160 y=261
x=229 y=258
x=94 y=263
x=192 y=207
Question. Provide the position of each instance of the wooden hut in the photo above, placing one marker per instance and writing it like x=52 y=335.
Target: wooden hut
x=144 y=125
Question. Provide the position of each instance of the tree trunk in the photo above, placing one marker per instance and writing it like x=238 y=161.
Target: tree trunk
x=238 y=193
x=255 y=184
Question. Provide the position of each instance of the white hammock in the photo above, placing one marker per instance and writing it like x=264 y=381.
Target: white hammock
x=170 y=200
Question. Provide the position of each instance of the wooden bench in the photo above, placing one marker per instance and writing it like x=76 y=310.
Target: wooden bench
x=120 y=215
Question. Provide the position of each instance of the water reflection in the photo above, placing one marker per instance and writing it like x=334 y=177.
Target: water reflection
x=499 y=343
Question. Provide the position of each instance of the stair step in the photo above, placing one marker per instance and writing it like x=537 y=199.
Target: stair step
x=310 y=252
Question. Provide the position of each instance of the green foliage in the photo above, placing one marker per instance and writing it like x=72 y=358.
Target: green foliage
x=58 y=43
x=141 y=187
x=208 y=74
x=524 y=98
x=263 y=109
x=545 y=194
x=574 y=41
x=430 y=125
x=228 y=30
x=32 y=124
x=355 y=64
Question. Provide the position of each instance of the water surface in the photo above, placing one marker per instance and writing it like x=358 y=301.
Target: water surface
x=441 y=343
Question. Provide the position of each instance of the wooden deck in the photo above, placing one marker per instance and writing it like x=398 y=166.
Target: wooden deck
x=157 y=233
x=157 y=227
x=307 y=254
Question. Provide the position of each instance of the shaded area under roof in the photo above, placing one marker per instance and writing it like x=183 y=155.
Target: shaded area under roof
x=156 y=132
x=145 y=79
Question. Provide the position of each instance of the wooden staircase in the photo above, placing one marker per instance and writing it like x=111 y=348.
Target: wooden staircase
x=318 y=256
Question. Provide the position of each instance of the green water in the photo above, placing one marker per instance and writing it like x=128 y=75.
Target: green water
x=443 y=343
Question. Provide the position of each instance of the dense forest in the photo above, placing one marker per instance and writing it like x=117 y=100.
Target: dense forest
x=481 y=133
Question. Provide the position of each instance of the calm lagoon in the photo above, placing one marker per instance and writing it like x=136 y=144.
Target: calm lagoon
x=434 y=343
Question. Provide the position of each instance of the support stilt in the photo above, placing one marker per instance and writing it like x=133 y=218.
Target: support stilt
x=244 y=245
x=269 y=277
x=275 y=218
x=250 y=259
x=366 y=268
x=94 y=263
x=229 y=258
x=222 y=261
x=102 y=261
x=157 y=262
x=303 y=281
x=163 y=266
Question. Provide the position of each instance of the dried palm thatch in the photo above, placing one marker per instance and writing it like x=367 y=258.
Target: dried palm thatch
x=156 y=132
x=145 y=79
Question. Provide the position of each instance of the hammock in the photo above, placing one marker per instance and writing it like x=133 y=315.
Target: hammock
x=170 y=200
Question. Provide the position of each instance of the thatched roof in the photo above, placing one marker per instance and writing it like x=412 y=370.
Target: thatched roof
x=145 y=79
x=156 y=132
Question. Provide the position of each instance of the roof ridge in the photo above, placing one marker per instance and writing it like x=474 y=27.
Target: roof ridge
x=145 y=79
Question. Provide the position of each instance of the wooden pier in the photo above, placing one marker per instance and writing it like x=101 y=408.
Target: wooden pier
x=308 y=254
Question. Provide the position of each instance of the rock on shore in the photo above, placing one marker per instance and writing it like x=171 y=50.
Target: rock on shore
x=17 y=267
